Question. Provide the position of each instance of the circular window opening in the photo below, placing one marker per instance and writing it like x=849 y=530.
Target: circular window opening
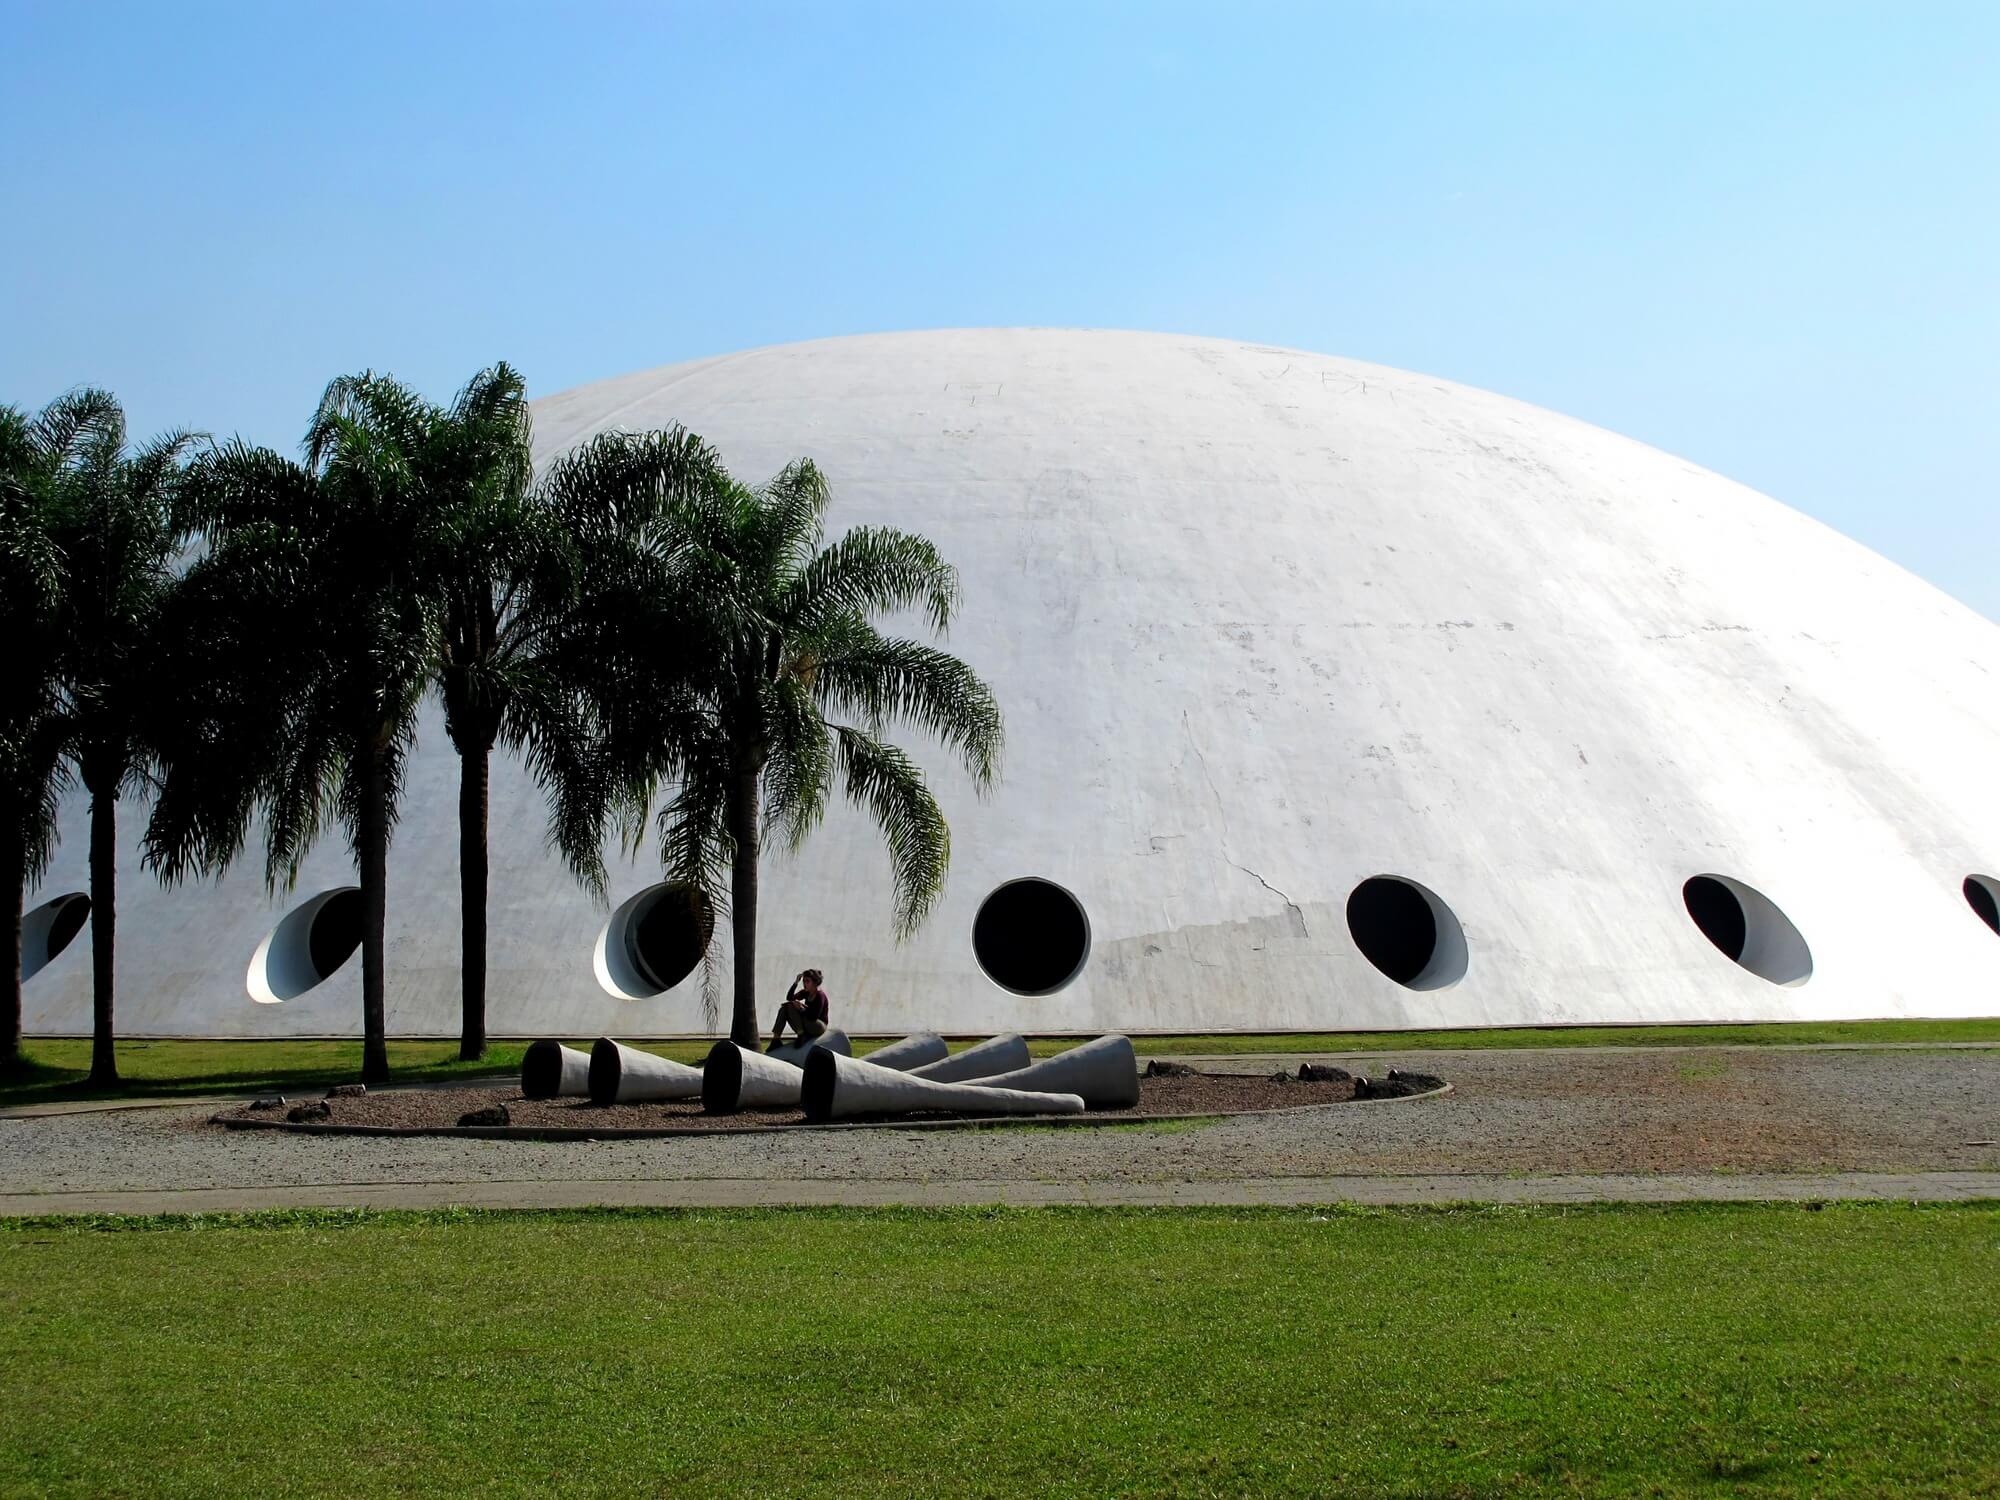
x=1983 y=892
x=1749 y=928
x=1407 y=932
x=654 y=941
x=1031 y=936
x=307 y=947
x=50 y=928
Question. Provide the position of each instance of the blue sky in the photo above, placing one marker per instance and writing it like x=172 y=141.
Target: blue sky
x=1762 y=235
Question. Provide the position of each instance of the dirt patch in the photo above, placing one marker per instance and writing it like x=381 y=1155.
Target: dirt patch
x=431 y=1109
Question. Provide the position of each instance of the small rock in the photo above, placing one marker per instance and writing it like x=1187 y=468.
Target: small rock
x=1323 y=1073
x=269 y=1101
x=493 y=1114
x=1159 y=1069
x=347 y=1091
x=303 y=1114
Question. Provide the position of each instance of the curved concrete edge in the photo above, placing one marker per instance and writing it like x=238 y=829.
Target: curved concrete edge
x=656 y=1133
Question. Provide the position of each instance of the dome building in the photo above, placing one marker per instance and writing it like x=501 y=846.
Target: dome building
x=1336 y=697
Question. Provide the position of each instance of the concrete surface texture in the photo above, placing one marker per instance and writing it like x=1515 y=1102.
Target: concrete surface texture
x=1268 y=627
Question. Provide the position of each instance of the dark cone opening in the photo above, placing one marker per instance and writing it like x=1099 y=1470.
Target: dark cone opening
x=541 y=1070
x=822 y=1078
x=1031 y=937
x=1976 y=893
x=1718 y=914
x=607 y=1069
x=70 y=917
x=1393 y=926
x=669 y=935
x=335 y=932
x=722 y=1079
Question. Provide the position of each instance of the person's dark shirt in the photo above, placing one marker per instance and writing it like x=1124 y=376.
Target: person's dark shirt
x=815 y=1005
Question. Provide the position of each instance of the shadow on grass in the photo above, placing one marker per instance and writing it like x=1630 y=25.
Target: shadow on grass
x=174 y=1070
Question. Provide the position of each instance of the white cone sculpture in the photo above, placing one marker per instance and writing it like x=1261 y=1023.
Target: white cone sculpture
x=736 y=1078
x=839 y=1088
x=911 y=1053
x=999 y=1054
x=552 y=1071
x=1105 y=1072
x=625 y=1075
x=797 y=1052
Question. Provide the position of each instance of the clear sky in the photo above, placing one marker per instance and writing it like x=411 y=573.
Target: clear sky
x=1762 y=235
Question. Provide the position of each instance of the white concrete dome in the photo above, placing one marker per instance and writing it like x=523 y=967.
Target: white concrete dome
x=1336 y=696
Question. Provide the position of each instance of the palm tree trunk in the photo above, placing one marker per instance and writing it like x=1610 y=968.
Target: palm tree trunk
x=374 y=913
x=103 y=934
x=743 y=796
x=13 y=883
x=474 y=777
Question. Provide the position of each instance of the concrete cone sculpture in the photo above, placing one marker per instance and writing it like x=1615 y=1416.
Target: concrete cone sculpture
x=796 y=1053
x=736 y=1078
x=839 y=1088
x=1105 y=1072
x=552 y=1071
x=912 y=1052
x=1000 y=1054
x=625 y=1075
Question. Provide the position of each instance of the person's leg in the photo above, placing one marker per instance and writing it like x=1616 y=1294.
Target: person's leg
x=809 y=1027
x=778 y=1026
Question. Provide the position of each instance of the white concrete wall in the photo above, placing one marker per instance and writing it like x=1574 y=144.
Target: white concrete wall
x=1264 y=623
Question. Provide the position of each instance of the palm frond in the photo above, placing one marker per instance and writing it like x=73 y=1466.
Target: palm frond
x=792 y=506
x=389 y=412
x=888 y=681
x=886 y=783
x=871 y=570
x=799 y=772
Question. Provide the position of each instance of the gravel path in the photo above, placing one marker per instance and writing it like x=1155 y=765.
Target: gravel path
x=1743 y=1110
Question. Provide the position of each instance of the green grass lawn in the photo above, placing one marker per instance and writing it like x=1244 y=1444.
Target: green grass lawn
x=1714 y=1350
x=57 y=1066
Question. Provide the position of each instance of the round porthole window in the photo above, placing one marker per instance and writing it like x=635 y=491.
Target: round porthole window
x=1749 y=928
x=654 y=941
x=307 y=946
x=1031 y=936
x=50 y=928
x=1407 y=932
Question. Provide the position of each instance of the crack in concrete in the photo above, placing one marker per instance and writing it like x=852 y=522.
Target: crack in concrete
x=1298 y=916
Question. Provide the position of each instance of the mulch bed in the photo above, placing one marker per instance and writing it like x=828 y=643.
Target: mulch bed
x=441 y=1108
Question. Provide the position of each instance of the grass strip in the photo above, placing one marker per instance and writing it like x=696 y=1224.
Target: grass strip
x=1707 y=1349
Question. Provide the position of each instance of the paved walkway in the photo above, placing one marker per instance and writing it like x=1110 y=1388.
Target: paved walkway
x=1926 y=1187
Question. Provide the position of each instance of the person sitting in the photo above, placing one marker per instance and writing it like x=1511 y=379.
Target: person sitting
x=805 y=1010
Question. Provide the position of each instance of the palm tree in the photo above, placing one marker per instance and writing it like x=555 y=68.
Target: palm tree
x=724 y=638
x=36 y=456
x=304 y=644
x=117 y=534
x=497 y=571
